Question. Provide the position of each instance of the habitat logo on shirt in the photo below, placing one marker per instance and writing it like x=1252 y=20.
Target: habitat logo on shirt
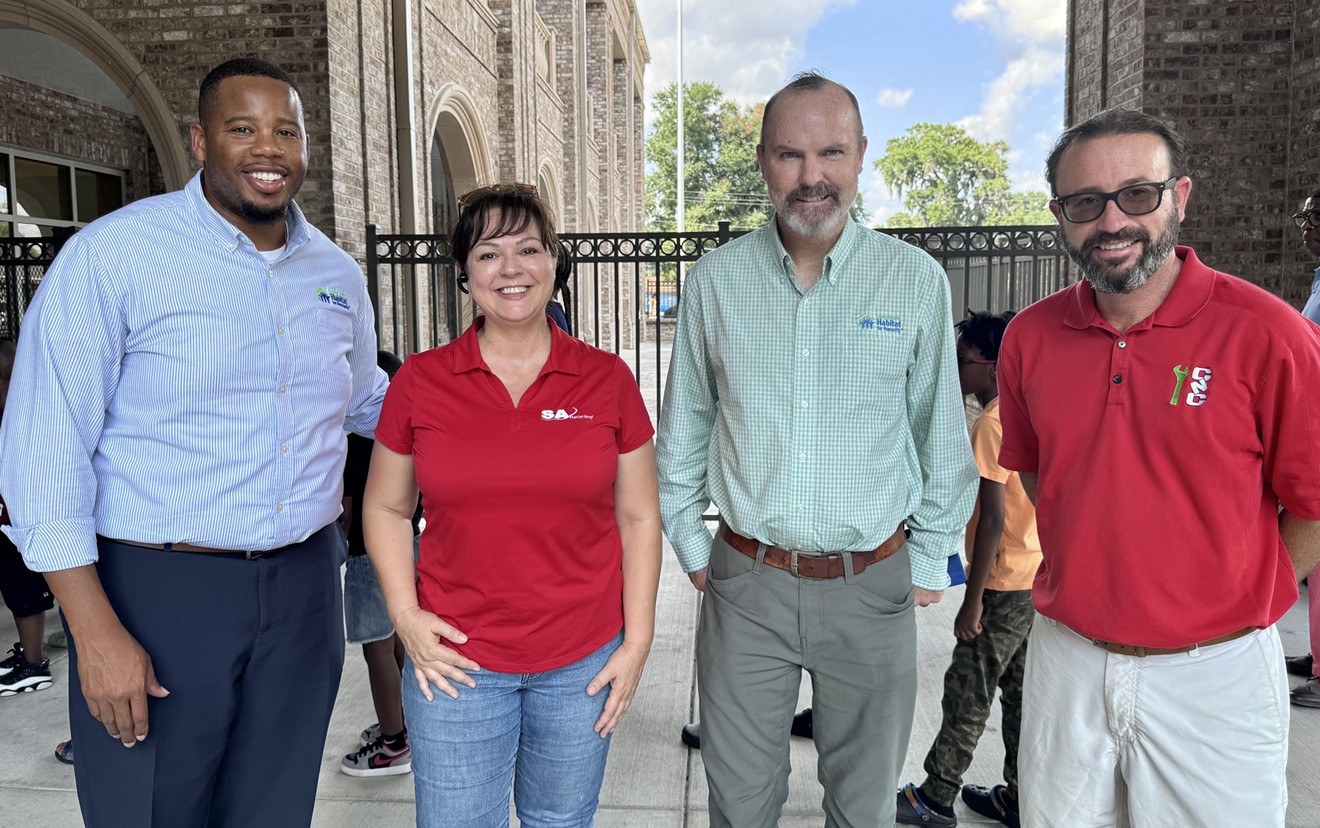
x=886 y=324
x=333 y=297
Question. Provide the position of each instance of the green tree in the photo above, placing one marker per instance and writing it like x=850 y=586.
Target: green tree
x=721 y=177
x=948 y=178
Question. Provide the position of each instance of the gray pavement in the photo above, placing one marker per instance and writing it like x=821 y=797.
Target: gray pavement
x=652 y=781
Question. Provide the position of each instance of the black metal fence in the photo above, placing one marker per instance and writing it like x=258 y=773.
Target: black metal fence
x=23 y=262
x=627 y=285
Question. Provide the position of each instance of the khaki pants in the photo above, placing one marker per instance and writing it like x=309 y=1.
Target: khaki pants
x=855 y=636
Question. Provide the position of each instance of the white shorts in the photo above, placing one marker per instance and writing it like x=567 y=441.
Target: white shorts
x=1194 y=739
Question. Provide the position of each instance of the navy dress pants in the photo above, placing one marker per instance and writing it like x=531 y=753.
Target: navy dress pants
x=251 y=652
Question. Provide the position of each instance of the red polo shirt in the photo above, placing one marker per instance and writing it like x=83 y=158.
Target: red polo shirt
x=521 y=549
x=1163 y=454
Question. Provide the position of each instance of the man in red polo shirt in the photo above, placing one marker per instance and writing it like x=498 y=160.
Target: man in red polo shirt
x=1160 y=413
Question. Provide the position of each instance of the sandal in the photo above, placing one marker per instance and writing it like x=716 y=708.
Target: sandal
x=64 y=752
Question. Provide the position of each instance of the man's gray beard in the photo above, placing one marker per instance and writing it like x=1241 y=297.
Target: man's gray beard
x=1153 y=255
x=824 y=227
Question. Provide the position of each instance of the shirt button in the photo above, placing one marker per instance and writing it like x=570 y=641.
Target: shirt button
x=281 y=330
x=283 y=389
x=805 y=404
x=802 y=456
x=1118 y=379
x=284 y=449
x=806 y=352
x=279 y=507
x=1122 y=343
x=270 y=274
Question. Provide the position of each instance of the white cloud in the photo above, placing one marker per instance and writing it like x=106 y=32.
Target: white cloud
x=879 y=202
x=1033 y=30
x=893 y=98
x=748 y=53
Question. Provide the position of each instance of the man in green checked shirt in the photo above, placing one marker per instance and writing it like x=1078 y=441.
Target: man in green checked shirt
x=813 y=397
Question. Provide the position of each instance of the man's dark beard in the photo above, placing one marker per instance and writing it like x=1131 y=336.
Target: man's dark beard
x=1106 y=280
x=262 y=215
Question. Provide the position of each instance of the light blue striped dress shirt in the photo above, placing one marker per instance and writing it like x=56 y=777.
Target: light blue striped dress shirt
x=172 y=385
x=817 y=421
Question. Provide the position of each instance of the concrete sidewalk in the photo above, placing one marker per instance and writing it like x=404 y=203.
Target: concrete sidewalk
x=652 y=780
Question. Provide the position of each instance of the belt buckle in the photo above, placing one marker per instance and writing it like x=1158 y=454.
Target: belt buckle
x=252 y=555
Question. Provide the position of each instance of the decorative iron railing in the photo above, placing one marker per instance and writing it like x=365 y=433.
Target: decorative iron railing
x=626 y=286
x=23 y=263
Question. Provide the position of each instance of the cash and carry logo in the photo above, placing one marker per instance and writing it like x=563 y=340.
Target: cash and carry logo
x=561 y=414
x=1198 y=390
x=333 y=297
x=888 y=324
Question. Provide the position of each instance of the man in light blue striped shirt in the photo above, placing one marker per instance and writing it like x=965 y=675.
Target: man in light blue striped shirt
x=172 y=458
x=813 y=397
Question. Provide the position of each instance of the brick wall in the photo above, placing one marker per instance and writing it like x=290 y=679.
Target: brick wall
x=1237 y=81
x=43 y=121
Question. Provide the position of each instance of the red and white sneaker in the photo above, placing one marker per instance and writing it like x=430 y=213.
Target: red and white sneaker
x=376 y=759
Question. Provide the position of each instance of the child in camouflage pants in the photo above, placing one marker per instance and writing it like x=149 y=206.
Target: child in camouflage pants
x=996 y=613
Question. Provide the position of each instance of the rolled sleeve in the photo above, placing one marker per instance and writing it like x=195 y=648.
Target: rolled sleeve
x=65 y=372
x=369 y=381
x=944 y=454
x=687 y=417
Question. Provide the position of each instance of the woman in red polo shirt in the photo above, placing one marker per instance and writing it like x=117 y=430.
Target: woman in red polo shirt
x=532 y=606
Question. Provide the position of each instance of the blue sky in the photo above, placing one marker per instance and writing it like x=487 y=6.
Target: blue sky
x=996 y=67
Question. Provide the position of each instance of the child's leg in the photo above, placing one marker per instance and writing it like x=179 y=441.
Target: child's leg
x=383 y=676
x=969 y=688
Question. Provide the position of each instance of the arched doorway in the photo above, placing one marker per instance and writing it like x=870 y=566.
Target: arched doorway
x=459 y=162
x=63 y=45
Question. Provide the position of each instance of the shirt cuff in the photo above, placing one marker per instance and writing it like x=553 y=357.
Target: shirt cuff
x=929 y=557
x=693 y=549
x=56 y=545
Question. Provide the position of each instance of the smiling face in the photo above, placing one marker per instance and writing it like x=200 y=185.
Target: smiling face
x=511 y=276
x=811 y=159
x=254 y=154
x=1118 y=253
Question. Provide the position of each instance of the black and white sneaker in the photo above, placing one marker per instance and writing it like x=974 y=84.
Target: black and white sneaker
x=26 y=678
x=15 y=659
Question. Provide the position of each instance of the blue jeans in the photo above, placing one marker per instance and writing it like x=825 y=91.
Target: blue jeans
x=526 y=732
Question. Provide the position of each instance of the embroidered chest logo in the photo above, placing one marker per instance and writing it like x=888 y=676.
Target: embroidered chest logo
x=333 y=297
x=561 y=414
x=887 y=324
x=1197 y=391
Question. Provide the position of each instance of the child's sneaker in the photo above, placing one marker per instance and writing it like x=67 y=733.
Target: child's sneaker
x=26 y=678
x=369 y=734
x=15 y=659
x=377 y=759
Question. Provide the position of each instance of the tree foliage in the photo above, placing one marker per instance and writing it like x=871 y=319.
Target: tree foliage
x=948 y=178
x=721 y=176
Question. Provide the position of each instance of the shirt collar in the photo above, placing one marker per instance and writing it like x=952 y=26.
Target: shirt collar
x=565 y=351
x=833 y=260
x=1191 y=292
x=229 y=235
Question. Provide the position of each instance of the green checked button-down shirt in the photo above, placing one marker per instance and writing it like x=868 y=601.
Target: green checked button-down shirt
x=817 y=421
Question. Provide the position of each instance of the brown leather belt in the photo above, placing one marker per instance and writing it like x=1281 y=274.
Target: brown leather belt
x=1142 y=652
x=188 y=547
x=820 y=566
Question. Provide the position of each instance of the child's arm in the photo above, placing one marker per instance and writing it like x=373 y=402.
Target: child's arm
x=985 y=550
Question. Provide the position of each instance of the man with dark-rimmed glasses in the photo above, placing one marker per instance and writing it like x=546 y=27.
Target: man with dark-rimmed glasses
x=1159 y=414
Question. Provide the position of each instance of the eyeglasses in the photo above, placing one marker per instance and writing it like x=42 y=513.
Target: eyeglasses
x=516 y=188
x=1311 y=217
x=1136 y=200
x=967 y=361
